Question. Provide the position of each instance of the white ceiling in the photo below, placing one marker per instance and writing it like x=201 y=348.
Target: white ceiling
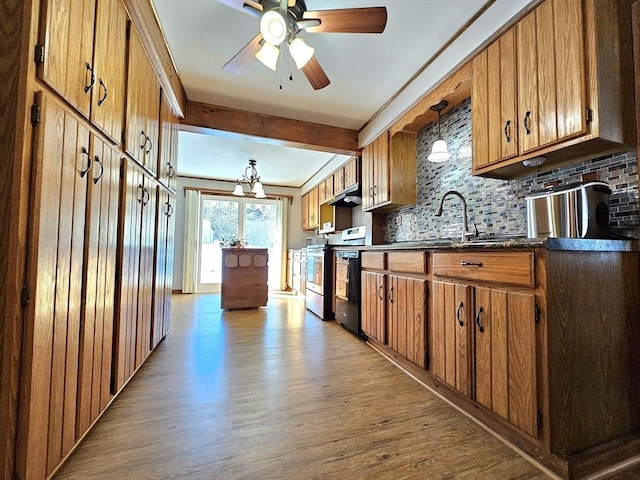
x=365 y=70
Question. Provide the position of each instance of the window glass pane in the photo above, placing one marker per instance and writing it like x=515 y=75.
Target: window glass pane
x=219 y=222
x=261 y=225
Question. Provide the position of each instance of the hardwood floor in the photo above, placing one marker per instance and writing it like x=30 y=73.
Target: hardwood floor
x=275 y=393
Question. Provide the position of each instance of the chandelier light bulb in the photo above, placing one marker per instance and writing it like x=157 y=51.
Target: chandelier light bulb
x=238 y=190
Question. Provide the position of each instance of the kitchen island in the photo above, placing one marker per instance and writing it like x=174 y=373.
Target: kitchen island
x=244 y=278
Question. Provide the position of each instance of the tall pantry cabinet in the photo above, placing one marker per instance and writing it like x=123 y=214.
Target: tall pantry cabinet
x=87 y=257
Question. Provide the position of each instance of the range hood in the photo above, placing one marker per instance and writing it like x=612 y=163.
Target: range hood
x=349 y=198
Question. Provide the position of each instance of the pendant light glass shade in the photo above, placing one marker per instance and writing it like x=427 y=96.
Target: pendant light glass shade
x=238 y=190
x=268 y=55
x=300 y=52
x=439 y=152
x=273 y=27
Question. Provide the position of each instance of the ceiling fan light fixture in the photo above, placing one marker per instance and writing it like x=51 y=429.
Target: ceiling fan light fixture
x=268 y=55
x=300 y=52
x=273 y=27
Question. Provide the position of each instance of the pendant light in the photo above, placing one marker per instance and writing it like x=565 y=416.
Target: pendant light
x=252 y=180
x=439 y=151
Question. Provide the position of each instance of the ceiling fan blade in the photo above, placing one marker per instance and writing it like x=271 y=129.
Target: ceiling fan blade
x=348 y=20
x=315 y=74
x=251 y=7
x=245 y=57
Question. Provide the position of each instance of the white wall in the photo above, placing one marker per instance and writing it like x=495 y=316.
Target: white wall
x=295 y=234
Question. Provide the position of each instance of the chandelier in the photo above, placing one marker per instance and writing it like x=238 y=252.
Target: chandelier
x=252 y=180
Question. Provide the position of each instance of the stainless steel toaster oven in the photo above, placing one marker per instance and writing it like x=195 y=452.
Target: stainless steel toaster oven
x=579 y=210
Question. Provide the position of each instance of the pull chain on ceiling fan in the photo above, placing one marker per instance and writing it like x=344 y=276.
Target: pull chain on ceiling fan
x=281 y=21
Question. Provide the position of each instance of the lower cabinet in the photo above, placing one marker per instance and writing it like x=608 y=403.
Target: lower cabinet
x=394 y=305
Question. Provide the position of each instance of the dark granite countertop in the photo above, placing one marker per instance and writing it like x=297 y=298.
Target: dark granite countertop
x=501 y=242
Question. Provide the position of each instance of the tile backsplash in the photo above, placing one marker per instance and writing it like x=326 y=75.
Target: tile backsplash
x=497 y=206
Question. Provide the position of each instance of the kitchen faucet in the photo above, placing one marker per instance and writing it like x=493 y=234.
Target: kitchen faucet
x=465 y=231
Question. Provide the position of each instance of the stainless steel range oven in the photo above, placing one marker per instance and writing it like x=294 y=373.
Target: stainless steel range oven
x=319 y=280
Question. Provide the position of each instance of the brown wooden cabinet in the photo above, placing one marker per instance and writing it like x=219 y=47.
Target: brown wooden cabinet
x=87 y=71
x=325 y=189
x=485 y=336
x=143 y=107
x=574 y=76
x=311 y=210
x=132 y=328
x=394 y=302
x=52 y=324
x=167 y=160
x=96 y=333
x=244 y=277
x=389 y=172
x=346 y=176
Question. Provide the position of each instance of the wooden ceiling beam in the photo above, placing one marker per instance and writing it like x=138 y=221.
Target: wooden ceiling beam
x=212 y=119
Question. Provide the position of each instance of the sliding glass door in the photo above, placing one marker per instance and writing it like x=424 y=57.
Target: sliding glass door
x=257 y=222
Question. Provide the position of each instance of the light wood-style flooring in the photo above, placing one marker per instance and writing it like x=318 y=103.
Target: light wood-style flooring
x=275 y=393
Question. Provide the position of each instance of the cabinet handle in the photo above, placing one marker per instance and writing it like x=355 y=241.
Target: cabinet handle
x=380 y=292
x=458 y=314
x=103 y=87
x=471 y=264
x=143 y=137
x=170 y=170
x=168 y=209
x=507 y=131
x=92 y=81
x=97 y=179
x=140 y=195
x=371 y=192
x=480 y=327
x=375 y=190
x=85 y=153
x=150 y=143
x=527 y=119
x=391 y=295
x=146 y=197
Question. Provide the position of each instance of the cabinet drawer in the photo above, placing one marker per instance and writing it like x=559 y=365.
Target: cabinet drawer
x=410 y=262
x=341 y=271
x=515 y=268
x=373 y=260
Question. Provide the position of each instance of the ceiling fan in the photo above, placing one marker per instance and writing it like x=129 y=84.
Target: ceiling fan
x=280 y=23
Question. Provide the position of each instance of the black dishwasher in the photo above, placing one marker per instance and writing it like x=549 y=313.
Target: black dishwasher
x=347 y=290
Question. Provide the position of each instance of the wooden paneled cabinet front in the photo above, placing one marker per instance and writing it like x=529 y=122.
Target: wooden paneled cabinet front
x=554 y=85
x=484 y=337
x=346 y=176
x=81 y=55
x=394 y=302
x=389 y=172
x=310 y=210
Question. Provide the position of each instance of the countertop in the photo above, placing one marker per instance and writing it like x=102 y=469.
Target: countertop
x=501 y=242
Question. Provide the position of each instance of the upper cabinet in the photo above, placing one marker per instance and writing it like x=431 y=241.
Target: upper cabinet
x=555 y=85
x=87 y=73
x=346 y=176
x=389 y=172
x=169 y=128
x=143 y=107
x=310 y=209
x=325 y=189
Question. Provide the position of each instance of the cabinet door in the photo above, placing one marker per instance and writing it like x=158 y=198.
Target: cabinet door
x=368 y=176
x=407 y=321
x=506 y=356
x=551 y=74
x=96 y=333
x=314 y=215
x=305 y=211
x=161 y=286
x=494 y=107
x=373 y=306
x=107 y=99
x=61 y=163
x=135 y=122
x=381 y=170
x=168 y=144
x=452 y=334
x=67 y=41
x=151 y=116
x=350 y=173
x=129 y=237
